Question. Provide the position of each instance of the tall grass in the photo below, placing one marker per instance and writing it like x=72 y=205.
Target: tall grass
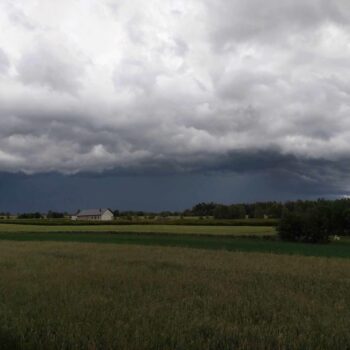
x=87 y=296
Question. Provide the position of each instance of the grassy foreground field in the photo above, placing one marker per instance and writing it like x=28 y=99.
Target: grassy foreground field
x=183 y=229
x=103 y=296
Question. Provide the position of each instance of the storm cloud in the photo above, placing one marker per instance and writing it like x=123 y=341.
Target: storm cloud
x=176 y=86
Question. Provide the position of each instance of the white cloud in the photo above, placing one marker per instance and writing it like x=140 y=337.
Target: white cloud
x=96 y=85
x=4 y=62
x=52 y=63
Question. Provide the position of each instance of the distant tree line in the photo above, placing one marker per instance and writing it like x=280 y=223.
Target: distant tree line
x=256 y=210
x=55 y=215
x=128 y=214
x=340 y=209
x=218 y=211
x=37 y=215
x=299 y=221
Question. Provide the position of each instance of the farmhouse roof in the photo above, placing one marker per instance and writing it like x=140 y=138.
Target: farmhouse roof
x=92 y=212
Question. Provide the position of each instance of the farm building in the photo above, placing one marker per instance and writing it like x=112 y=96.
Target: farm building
x=94 y=214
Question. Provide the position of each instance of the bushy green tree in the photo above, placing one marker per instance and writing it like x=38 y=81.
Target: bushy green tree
x=54 y=215
x=290 y=227
x=312 y=226
x=35 y=215
x=221 y=212
x=203 y=209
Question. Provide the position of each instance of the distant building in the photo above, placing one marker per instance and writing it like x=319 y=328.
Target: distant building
x=94 y=214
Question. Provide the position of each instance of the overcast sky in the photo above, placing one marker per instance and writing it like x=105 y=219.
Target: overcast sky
x=160 y=88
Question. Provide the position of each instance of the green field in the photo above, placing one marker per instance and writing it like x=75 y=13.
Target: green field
x=231 y=238
x=339 y=249
x=179 y=229
x=170 y=287
x=56 y=295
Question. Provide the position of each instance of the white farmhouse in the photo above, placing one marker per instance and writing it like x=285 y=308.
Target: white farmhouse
x=94 y=214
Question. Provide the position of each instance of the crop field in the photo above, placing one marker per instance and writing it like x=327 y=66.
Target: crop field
x=338 y=249
x=173 y=229
x=190 y=221
x=61 y=295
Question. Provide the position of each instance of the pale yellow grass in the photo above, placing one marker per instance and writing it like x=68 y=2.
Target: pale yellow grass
x=179 y=229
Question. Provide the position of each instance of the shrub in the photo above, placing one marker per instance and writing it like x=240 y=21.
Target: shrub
x=54 y=215
x=35 y=215
x=290 y=227
x=312 y=226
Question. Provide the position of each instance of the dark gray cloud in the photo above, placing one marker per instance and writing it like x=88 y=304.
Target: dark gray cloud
x=181 y=86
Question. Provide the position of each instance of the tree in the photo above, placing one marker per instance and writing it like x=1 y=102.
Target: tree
x=204 y=209
x=290 y=227
x=221 y=212
x=54 y=215
x=35 y=215
x=312 y=226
